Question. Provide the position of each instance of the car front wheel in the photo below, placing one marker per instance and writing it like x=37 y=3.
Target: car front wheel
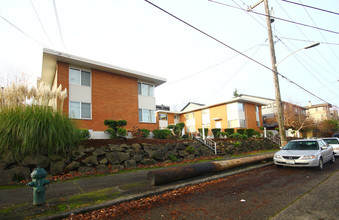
x=321 y=164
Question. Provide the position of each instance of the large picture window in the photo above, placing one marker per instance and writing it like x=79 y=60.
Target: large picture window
x=79 y=110
x=146 y=115
x=79 y=77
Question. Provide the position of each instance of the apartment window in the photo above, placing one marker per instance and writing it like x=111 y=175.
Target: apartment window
x=162 y=116
x=79 y=77
x=257 y=115
x=241 y=107
x=79 y=110
x=145 y=89
x=146 y=115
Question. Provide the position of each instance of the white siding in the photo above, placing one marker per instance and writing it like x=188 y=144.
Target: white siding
x=146 y=102
x=80 y=93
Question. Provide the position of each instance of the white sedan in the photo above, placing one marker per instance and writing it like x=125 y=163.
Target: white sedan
x=334 y=142
x=304 y=153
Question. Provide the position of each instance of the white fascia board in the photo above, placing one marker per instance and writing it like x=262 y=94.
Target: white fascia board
x=239 y=99
x=92 y=64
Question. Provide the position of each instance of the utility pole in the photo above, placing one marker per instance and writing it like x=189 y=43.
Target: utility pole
x=279 y=107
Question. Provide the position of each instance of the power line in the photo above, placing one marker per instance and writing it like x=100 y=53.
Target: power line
x=281 y=19
x=59 y=26
x=326 y=60
x=237 y=51
x=205 y=69
x=336 y=13
x=309 y=41
x=41 y=23
x=23 y=32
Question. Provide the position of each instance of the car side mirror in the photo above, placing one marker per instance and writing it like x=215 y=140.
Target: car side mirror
x=323 y=148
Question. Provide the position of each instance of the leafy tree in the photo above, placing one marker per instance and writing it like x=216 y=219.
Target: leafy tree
x=327 y=128
x=235 y=93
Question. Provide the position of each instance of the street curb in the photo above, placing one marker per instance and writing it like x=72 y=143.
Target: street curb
x=151 y=193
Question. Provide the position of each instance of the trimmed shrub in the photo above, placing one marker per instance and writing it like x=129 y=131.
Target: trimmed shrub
x=236 y=135
x=35 y=129
x=161 y=134
x=250 y=132
x=177 y=128
x=205 y=130
x=215 y=132
x=241 y=131
x=257 y=134
x=229 y=131
x=115 y=128
x=145 y=132
x=84 y=134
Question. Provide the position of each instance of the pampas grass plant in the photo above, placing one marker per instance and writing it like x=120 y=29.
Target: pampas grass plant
x=40 y=127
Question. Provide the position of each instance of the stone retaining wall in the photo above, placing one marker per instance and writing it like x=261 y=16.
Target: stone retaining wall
x=86 y=159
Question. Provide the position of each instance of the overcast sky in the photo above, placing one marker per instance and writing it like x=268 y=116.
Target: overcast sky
x=136 y=35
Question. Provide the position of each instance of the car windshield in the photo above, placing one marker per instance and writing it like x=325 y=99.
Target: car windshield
x=302 y=145
x=331 y=141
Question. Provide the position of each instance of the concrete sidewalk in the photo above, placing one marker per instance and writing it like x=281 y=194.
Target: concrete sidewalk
x=86 y=194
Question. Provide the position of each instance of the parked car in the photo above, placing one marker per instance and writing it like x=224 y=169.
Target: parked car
x=334 y=142
x=304 y=153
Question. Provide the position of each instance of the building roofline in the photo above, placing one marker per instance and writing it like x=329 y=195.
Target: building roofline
x=76 y=60
x=191 y=103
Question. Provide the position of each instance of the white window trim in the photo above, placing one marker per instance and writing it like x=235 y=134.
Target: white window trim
x=69 y=111
x=78 y=68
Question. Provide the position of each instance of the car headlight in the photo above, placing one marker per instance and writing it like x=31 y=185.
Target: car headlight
x=307 y=157
x=277 y=156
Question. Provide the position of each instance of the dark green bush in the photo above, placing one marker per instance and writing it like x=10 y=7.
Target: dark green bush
x=257 y=134
x=172 y=157
x=177 y=128
x=236 y=135
x=250 y=132
x=190 y=149
x=205 y=130
x=84 y=134
x=229 y=131
x=161 y=134
x=115 y=128
x=241 y=131
x=145 y=132
x=35 y=129
x=185 y=136
x=215 y=132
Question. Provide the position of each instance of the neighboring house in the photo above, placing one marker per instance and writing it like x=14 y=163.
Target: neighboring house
x=269 y=113
x=236 y=113
x=99 y=91
x=321 y=111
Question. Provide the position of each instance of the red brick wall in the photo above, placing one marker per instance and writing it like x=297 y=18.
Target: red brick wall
x=63 y=79
x=114 y=97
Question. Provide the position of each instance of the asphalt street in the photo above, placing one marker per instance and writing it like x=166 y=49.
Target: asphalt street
x=265 y=193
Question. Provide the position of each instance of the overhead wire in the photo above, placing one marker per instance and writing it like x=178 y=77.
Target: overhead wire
x=36 y=13
x=324 y=58
x=231 y=78
x=319 y=31
x=205 y=69
x=274 y=17
x=24 y=33
x=308 y=6
x=59 y=26
x=302 y=64
x=309 y=41
x=226 y=45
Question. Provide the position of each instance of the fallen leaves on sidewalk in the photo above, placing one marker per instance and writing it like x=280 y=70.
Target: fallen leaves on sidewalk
x=118 y=210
